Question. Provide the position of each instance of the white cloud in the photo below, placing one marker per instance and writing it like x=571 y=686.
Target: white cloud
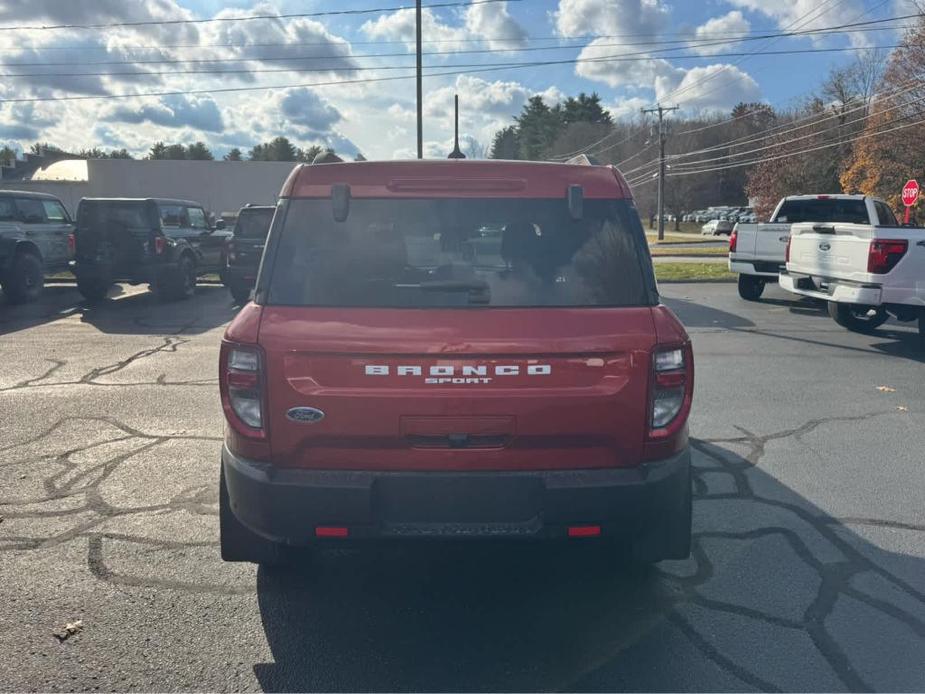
x=400 y=26
x=627 y=109
x=175 y=111
x=485 y=107
x=494 y=23
x=582 y=17
x=732 y=23
x=602 y=63
x=709 y=88
x=796 y=15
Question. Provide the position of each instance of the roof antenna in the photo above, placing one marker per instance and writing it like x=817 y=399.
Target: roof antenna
x=456 y=153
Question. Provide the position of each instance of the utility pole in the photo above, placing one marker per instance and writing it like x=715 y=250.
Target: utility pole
x=662 y=136
x=419 y=85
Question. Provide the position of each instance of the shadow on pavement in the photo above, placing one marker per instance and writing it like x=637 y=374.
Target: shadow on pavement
x=777 y=596
x=127 y=310
x=694 y=315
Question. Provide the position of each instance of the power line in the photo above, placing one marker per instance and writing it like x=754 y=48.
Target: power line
x=789 y=127
x=294 y=15
x=708 y=77
x=616 y=58
x=695 y=42
x=838 y=29
x=804 y=151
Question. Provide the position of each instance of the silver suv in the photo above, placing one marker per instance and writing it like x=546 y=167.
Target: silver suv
x=35 y=239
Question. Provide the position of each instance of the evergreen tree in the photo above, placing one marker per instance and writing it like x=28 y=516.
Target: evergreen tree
x=505 y=144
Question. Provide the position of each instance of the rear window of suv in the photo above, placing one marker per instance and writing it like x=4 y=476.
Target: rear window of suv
x=111 y=215
x=253 y=224
x=409 y=253
x=825 y=210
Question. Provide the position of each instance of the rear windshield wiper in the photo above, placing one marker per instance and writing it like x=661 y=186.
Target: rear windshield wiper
x=447 y=286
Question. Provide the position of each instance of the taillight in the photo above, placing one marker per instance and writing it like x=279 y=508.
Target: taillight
x=884 y=255
x=672 y=377
x=733 y=240
x=242 y=387
x=71 y=245
x=230 y=251
x=160 y=245
x=787 y=251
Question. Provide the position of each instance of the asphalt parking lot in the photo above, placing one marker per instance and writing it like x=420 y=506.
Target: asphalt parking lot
x=808 y=571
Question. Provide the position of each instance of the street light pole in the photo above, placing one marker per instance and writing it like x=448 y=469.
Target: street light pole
x=662 y=136
x=419 y=84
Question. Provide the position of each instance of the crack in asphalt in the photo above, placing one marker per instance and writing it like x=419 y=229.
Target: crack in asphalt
x=71 y=478
x=169 y=345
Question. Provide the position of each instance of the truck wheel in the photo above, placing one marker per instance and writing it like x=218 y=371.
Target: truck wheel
x=921 y=344
x=25 y=280
x=859 y=319
x=179 y=283
x=750 y=287
x=239 y=543
x=240 y=292
x=93 y=289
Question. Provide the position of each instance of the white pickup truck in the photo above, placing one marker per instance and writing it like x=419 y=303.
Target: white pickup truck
x=756 y=251
x=865 y=272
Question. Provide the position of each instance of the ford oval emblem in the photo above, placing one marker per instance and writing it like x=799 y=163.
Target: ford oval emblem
x=305 y=415
x=824 y=246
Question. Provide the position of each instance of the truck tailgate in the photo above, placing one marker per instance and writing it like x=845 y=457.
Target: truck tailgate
x=831 y=251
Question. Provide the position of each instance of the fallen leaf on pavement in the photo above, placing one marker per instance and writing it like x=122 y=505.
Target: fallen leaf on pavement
x=68 y=630
x=886 y=389
x=902 y=408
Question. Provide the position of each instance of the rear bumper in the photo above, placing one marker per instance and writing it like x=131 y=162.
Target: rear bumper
x=286 y=505
x=757 y=268
x=834 y=290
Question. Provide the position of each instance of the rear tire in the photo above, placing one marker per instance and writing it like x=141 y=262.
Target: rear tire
x=239 y=543
x=751 y=287
x=921 y=337
x=240 y=292
x=179 y=283
x=25 y=280
x=93 y=289
x=858 y=319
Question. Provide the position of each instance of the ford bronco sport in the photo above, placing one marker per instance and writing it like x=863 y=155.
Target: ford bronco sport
x=166 y=243
x=455 y=349
x=35 y=240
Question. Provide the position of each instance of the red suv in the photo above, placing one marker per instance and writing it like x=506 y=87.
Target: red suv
x=455 y=349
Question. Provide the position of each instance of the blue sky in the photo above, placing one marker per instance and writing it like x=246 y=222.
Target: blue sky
x=377 y=118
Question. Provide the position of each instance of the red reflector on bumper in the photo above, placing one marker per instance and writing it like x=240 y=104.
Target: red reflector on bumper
x=584 y=531
x=329 y=531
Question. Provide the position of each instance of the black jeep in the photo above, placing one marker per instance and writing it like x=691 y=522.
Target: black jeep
x=245 y=249
x=166 y=243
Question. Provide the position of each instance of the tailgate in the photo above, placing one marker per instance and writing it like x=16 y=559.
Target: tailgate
x=771 y=242
x=831 y=251
x=513 y=389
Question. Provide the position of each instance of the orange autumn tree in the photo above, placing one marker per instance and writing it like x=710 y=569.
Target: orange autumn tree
x=891 y=149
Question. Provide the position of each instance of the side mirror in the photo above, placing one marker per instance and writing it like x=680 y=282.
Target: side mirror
x=219 y=224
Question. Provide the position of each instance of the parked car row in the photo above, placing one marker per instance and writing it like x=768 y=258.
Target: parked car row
x=166 y=243
x=722 y=213
x=847 y=250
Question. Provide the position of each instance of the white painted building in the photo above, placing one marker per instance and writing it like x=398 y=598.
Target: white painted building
x=222 y=187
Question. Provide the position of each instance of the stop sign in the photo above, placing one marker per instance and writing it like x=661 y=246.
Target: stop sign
x=910 y=193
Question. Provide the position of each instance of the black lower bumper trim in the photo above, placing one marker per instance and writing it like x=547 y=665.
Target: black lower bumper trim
x=286 y=505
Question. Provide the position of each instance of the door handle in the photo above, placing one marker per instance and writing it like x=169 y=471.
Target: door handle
x=920 y=243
